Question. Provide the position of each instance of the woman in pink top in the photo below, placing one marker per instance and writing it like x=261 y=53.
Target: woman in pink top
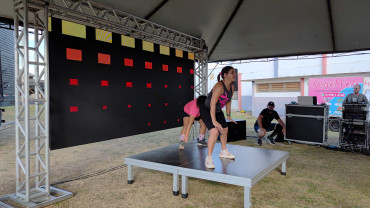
x=192 y=111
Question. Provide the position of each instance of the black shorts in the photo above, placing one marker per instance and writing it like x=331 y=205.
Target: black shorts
x=205 y=114
x=187 y=115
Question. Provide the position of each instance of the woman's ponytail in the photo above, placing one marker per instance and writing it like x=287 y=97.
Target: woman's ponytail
x=219 y=77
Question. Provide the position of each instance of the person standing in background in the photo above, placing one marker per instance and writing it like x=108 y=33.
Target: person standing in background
x=356 y=96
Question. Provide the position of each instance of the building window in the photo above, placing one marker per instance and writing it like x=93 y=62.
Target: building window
x=279 y=87
x=292 y=86
x=263 y=87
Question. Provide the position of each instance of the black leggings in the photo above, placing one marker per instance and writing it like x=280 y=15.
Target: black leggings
x=205 y=114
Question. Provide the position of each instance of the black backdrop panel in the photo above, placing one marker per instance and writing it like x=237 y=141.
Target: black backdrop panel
x=87 y=112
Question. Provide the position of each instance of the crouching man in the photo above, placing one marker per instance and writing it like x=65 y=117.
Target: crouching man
x=263 y=124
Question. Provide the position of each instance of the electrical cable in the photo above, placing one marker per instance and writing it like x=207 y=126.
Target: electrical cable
x=89 y=175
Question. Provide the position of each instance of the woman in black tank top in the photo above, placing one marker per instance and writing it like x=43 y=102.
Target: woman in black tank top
x=212 y=115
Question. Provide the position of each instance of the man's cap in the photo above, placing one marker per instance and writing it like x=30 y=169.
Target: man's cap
x=271 y=103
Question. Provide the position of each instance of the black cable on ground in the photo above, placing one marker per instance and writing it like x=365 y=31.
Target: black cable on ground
x=90 y=175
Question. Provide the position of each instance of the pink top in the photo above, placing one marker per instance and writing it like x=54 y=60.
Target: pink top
x=191 y=108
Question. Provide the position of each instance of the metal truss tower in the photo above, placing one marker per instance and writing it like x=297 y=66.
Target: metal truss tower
x=32 y=123
x=32 y=145
x=200 y=72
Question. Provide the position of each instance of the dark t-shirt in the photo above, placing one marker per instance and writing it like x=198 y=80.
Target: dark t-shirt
x=268 y=116
x=222 y=100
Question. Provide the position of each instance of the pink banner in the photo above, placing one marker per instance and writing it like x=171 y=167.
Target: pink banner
x=332 y=91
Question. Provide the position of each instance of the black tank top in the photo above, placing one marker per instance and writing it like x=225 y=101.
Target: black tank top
x=222 y=100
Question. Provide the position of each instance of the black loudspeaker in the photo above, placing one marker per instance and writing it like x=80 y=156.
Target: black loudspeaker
x=307 y=124
x=237 y=131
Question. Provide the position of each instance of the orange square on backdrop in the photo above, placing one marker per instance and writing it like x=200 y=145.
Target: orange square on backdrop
x=74 y=54
x=103 y=58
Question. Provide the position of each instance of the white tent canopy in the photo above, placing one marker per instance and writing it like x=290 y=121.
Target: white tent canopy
x=246 y=29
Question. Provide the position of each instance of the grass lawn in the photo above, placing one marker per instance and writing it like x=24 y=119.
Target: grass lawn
x=316 y=177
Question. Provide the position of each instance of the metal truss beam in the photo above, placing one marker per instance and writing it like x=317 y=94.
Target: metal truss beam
x=94 y=14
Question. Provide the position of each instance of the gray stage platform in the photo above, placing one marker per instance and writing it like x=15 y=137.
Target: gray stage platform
x=249 y=167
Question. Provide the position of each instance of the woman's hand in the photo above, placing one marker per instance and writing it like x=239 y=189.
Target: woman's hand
x=217 y=125
x=230 y=119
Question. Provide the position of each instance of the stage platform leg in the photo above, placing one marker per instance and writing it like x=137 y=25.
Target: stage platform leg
x=184 y=186
x=283 y=168
x=130 y=178
x=247 y=197
x=176 y=191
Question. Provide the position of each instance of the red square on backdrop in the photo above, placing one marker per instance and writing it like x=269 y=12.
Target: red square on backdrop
x=149 y=124
x=192 y=87
x=164 y=67
x=129 y=62
x=165 y=104
x=128 y=84
x=165 y=86
x=191 y=71
x=129 y=106
x=179 y=86
x=105 y=107
x=73 y=109
x=148 y=65
x=178 y=120
x=149 y=105
x=73 y=82
x=104 y=83
x=179 y=69
x=103 y=58
x=148 y=85
x=164 y=122
x=73 y=54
